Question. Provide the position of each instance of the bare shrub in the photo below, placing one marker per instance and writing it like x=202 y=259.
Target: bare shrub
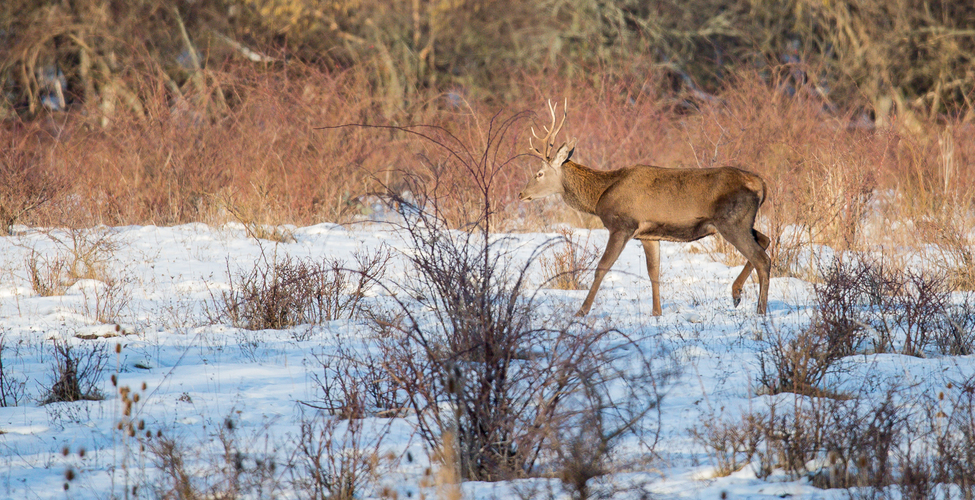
x=355 y=384
x=47 y=276
x=731 y=444
x=835 y=442
x=224 y=466
x=272 y=295
x=582 y=455
x=338 y=458
x=840 y=299
x=168 y=455
x=341 y=291
x=952 y=419
x=565 y=267
x=81 y=254
x=612 y=404
x=88 y=251
x=800 y=363
x=862 y=299
x=330 y=458
x=957 y=335
x=923 y=306
x=903 y=442
x=463 y=339
x=288 y=292
x=77 y=371
x=11 y=386
x=475 y=365
x=106 y=300
x=858 y=441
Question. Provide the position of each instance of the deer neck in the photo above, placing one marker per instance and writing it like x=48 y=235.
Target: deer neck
x=582 y=186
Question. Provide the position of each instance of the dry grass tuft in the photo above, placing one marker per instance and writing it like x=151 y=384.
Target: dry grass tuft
x=77 y=372
x=566 y=266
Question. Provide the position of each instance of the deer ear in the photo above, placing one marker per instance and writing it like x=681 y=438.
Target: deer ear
x=571 y=145
x=564 y=153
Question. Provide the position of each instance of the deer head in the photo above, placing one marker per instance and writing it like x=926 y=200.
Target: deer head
x=548 y=180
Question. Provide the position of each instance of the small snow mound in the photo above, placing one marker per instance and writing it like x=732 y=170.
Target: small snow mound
x=84 y=286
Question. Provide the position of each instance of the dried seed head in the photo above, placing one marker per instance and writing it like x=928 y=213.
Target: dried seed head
x=118 y=346
x=69 y=474
x=65 y=451
x=81 y=452
x=144 y=385
x=114 y=380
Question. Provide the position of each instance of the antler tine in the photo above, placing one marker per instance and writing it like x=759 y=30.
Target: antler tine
x=551 y=131
x=565 y=113
x=533 y=150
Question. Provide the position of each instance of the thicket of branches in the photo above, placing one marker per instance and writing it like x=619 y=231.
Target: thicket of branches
x=903 y=56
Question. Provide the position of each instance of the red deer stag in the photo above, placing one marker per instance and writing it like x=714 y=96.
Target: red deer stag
x=652 y=204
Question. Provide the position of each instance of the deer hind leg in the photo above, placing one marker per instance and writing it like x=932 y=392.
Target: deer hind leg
x=652 y=249
x=747 y=242
x=740 y=281
x=617 y=240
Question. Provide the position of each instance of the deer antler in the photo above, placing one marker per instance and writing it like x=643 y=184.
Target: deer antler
x=548 y=142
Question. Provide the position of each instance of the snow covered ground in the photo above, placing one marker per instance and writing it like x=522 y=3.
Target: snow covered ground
x=193 y=376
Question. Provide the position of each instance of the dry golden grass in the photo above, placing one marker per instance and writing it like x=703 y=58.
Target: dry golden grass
x=570 y=262
x=264 y=161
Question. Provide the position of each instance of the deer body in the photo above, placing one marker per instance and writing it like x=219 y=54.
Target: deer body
x=653 y=204
x=667 y=203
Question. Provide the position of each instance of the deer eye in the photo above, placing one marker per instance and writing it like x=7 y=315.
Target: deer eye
x=539 y=175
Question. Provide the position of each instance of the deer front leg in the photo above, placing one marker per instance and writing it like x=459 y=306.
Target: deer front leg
x=736 y=287
x=617 y=240
x=652 y=249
